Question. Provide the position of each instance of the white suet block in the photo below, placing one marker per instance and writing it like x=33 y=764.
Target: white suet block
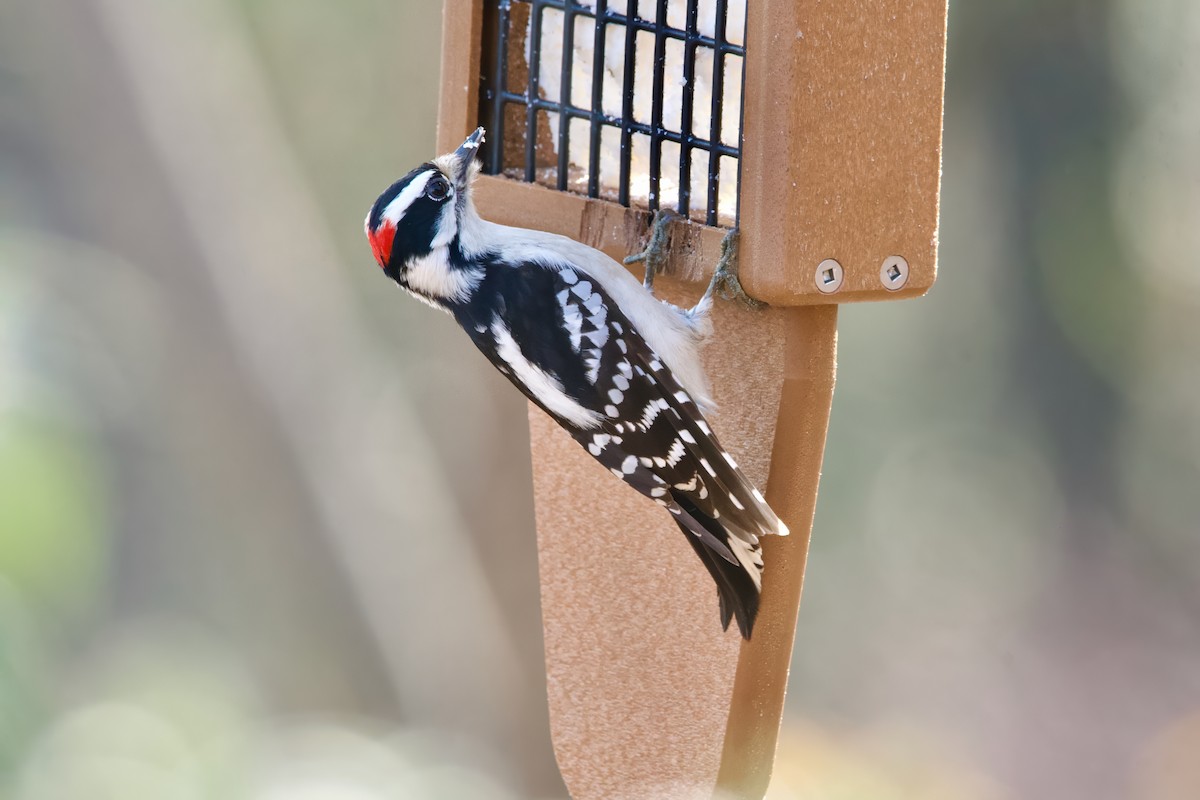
x=582 y=61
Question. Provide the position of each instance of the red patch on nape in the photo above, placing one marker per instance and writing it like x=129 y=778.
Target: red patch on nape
x=381 y=242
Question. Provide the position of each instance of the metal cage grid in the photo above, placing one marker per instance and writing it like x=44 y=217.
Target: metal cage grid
x=498 y=96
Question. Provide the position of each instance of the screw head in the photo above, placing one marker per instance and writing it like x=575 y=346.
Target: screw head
x=829 y=276
x=894 y=273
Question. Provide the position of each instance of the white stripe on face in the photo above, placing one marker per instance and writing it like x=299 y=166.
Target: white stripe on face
x=541 y=385
x=416 y=187
x=447 y=227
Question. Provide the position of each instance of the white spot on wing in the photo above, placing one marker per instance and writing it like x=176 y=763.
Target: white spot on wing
x=592 y=363
x=597 y=319
x=651 y=412
x=573 y=320
x=597 y=337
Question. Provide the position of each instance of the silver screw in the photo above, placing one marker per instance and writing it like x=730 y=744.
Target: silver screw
x=893 y=273
x=829 y=276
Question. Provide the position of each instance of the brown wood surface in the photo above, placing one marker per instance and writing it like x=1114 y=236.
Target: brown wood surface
x=458 y=101
x=649 y=700
x=842 y=139
x=756 y=708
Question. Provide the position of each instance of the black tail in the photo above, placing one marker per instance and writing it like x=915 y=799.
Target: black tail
x=736 y=589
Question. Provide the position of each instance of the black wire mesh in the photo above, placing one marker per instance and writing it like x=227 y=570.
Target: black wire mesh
x=520 y=118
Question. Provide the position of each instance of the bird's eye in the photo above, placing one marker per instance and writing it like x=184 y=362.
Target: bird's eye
x=438 y=189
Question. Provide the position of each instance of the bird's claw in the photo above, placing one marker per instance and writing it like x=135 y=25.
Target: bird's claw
x=725 y=281
x=655 y=254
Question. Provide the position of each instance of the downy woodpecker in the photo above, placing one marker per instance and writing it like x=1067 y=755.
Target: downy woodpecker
x=579 y=336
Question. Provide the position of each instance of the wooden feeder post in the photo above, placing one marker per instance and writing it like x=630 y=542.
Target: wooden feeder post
x=840 y=160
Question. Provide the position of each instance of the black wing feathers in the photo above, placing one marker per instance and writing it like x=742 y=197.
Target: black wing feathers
x=739 y=595
x=524 y=299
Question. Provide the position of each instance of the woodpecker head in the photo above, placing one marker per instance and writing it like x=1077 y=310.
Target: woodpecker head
x=414 y=224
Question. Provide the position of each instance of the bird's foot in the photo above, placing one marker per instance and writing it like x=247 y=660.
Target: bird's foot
x=655 y=254
x=725 y=281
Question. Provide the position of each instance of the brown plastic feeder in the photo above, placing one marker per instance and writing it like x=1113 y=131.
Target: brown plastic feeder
x=840 y=160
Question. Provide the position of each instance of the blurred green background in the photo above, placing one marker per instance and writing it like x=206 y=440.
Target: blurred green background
x=265 y=527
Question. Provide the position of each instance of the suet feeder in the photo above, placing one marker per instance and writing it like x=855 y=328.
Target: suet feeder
x=814 y=128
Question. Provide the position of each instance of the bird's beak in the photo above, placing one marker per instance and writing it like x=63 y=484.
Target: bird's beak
x=465 y=155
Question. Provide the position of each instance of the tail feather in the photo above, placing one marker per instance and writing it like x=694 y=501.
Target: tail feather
x=737 y=588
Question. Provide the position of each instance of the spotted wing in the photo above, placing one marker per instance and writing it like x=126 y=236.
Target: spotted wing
x=659 y=442
x=598 y=376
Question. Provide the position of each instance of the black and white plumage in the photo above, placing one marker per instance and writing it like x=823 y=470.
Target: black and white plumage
x=581 y=337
